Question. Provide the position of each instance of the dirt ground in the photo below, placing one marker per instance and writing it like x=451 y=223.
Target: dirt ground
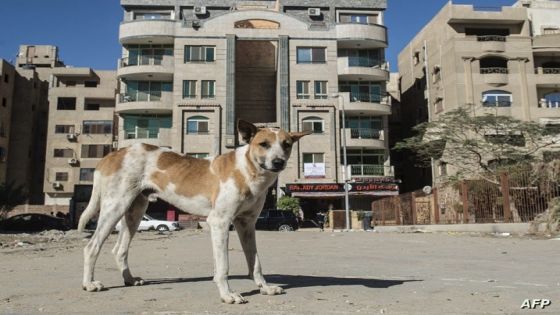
x=322 y=273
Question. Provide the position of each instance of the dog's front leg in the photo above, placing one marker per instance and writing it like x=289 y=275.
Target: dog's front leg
x=219 y=230
x=245 y=227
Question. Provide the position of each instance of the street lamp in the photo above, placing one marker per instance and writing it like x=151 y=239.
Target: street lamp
x=345 y=161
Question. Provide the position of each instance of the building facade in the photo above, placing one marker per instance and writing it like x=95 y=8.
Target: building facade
x=502 y=61
x=7 y=78
x=190 y=69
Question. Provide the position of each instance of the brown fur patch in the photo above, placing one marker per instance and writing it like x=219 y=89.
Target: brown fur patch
x=149 y=147
x=224 y=167
x=112 y=163
x=160 y=179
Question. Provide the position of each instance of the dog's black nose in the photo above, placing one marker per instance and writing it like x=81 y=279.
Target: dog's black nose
x=278 y=163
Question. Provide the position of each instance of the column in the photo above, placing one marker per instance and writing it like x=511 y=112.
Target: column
x=230 y=91
x=284 y=84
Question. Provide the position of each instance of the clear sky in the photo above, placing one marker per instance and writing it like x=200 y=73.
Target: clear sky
x=86 y=31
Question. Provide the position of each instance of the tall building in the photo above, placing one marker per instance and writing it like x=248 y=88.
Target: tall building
x=498 y=60
x=190 y=69
x=7 y=78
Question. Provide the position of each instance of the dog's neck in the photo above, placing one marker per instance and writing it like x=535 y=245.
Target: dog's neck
x=251 y=168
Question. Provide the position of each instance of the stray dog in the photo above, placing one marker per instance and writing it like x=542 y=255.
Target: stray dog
x=231 y=187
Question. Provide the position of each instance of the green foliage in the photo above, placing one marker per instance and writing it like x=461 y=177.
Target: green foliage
x=484 y=143
x=288 y=203
x=10 y=196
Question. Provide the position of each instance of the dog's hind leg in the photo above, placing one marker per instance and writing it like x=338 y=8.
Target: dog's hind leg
x=245 y=227
x=112 y=210
x=129 y=225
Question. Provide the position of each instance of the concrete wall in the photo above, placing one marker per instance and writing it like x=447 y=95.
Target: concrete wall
x=7 y=78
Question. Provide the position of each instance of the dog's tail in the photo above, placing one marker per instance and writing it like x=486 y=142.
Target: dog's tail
x=94 y=204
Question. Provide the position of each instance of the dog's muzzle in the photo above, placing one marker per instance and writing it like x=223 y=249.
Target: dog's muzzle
x=278 y=165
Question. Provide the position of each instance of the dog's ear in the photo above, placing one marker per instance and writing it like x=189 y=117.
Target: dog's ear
x=297 y=135
x=246 y=131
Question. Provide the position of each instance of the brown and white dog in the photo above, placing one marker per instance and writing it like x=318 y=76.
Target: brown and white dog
x=231 y=187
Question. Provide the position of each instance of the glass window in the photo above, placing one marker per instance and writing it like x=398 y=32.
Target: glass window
x=496 y=98
x=314 y=124
x=86 y=174
x=63 y=153
x=362 y=91
x=66 y=103
x=197 y=125
x=208 y=89
x=95 y=150
x=311 y=55
x=321 y=90
x=90 y=84
x=358 y=18
x=364 y=127
x=313 y=158
x=64 y=129
x=146 y=91
x=145 y=126
x=97 y=127
x=200 y=53
x=302 y=89
x=189 y=89
x=61 y=176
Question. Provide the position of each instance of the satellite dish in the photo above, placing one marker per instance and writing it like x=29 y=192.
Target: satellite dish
x=427 y=189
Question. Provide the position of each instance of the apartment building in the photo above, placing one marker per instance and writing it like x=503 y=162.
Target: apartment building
x=493 y=60
x=7 y=78
x=190 y=69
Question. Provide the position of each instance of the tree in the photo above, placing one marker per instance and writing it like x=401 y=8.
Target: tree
x=10 y=196
x=478 y=146
x=288 y=203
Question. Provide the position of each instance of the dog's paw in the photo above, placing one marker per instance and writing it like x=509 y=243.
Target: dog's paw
x=233 y=298
x=271 y=290
x=93 y=286
x=135 y=281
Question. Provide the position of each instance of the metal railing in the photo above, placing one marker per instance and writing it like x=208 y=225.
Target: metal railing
x=142 y=133
x=543 y=103
x=366 y=97
x=365 y=62
x=496 y=104
x=146 y=60
x=365 y=133
x=491 y=70
x=551 y=70
x=144 y=97
x=362 y=170
x=491 y=38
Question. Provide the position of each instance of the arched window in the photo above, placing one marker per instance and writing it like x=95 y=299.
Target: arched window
x=551 y=100
x=197 y=125
x=493 y=65
x=496 y=98
x=314 y=124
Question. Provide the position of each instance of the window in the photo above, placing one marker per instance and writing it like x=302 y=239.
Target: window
x=302 y=89
x=313 y=165
x=363 y=162
x=362 y=57
x=66 y=103
x=6 y=78
x=551 y=100
x=189 y=89
x=364 y=127
x=70 y=83
x=549 y=30
x=416 y=58
x=145 y=126
x=64 y=129
x=321 y=90
x=197 y=124
x=97 y=127
x=496 y=98
x=311 y=55
x=63 y=153
x=358 y=18
x=61 y=176
x=442 y=168
x=362 y=91
x=200 y=53
x=90 y=84
x=436 y=74
x=86 y=174
x=91 y=106
x=3 y=154
x=314 y=124
x=198 y=155
x=152 y=16
x=208 y=89
x=4 y=102
x=143 y=55
x=96 y=151
x=146 y=91
x=493 y=65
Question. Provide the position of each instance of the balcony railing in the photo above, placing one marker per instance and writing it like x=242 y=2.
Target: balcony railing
x=147 y=60
x=144 y=97
x=362 y=170
x=496 y=103
x=491 y=38
x=365 y=133
x=543 y=103
x=490 y=70
x=551 y=70
x=365 y=62
x=365 y=97
x=142 y=133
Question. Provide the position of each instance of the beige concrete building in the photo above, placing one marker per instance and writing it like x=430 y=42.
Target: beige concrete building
x=7 y=78
x=503 y=61
x=190 y=69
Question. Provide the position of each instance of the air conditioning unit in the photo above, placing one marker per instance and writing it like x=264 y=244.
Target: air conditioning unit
x=314 y=12
x=72 y=136
x=72 y=161
x=199 y=10
x=57 y=185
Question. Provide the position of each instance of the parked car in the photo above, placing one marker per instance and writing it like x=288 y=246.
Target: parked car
x=148 y=223
x=277 y=220
x=33 y=222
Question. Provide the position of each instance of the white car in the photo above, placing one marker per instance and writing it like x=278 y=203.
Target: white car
x=148 y=223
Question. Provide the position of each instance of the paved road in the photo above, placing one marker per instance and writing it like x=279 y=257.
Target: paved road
x=332 y=273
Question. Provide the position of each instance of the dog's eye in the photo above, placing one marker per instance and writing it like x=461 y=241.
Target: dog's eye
x=286 y=144
x=264 y=144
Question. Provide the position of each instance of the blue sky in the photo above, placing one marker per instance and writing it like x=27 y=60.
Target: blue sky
x=86 y=31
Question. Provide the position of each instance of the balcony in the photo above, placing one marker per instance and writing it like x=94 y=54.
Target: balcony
x=147 y=67
x=145 y=103
x=358 y=68
x=492 y=43
x=158 y=137
x=365 y=103
x=369 y=170
x=364 y=138
x=495 y=75
x=147 y=32
x=353 y=35
x=547 y=77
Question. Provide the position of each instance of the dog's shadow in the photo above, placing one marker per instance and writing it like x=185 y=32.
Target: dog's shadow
x=296 y=281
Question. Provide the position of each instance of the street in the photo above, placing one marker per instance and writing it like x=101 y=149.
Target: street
x=321 y=272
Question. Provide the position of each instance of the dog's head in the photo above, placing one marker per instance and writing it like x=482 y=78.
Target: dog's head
x=270 y=148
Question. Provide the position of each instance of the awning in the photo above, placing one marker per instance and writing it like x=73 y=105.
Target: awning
x=341 y=194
